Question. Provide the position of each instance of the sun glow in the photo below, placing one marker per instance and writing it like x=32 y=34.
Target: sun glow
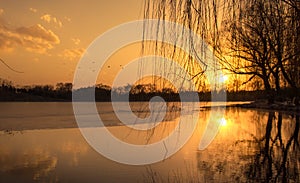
x=224 y=79
x=223 y=122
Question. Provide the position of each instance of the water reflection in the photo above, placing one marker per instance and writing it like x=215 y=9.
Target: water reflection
x=264 y=147
x=33 y=164
x=277 y=157
x=251 y=146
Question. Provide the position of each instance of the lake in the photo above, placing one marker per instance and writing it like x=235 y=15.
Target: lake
x=40 y=142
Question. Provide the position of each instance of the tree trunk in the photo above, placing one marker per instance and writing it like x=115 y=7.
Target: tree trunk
x=277 y=81
x=268 y=90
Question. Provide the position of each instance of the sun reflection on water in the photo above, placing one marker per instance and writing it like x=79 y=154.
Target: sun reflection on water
x=248 y=145
x=223 y=122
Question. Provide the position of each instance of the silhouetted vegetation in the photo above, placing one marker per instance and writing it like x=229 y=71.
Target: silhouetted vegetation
x=9 y=92
x=256 y=41
x=103 y=93
x=277 y=157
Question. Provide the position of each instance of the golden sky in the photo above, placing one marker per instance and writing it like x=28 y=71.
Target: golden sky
x=44 y=39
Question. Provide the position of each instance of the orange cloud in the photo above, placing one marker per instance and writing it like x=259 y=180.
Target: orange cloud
x=76 y=41
x=39 y=31
x=35 y=38
x=1 y=11
x=46 y=18
x=33 y=10
x=51 y=19
x=67 y=18
x=72 y=54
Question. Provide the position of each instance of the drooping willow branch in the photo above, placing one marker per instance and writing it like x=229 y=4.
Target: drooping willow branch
x=246 y=28
x=2 y=61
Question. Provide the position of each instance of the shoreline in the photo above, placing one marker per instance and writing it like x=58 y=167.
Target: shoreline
x=276 y=106
x=19 y=123
x=279 y=107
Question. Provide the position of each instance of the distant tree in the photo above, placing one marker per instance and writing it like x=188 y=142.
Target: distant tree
x=168 y=91
x=64 y=90
x=103 y=86
x=64 y=87
x=138 y=89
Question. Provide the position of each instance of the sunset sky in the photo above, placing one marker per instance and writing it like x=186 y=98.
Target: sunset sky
x=44 y=39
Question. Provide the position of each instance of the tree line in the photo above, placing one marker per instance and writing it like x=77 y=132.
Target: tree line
x=103 y=93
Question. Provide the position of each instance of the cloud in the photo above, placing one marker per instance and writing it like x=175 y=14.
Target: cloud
x=71 y=54
x=76 y=41
x=39 y=31
x=35 y=38
x=1 y=11
x=67 y=18
x=47 y=18
x=33 y=10
x=51 y=19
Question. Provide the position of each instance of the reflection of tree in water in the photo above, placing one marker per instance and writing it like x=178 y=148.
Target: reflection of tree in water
x=164 y=127
x=268 y=154
x=277 y=157
x=34 y=165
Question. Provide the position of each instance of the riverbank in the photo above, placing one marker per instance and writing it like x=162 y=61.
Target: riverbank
x=263 y=105
x=278 y=106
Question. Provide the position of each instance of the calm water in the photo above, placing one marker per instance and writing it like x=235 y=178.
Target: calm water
x=40 y=142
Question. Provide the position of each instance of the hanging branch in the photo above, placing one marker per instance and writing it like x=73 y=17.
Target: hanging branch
x=10 y=67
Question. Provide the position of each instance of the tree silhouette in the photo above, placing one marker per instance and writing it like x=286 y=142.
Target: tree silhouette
x=256 y=38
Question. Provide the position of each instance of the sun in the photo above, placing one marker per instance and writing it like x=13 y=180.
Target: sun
x=223 y=122
x=223 y=79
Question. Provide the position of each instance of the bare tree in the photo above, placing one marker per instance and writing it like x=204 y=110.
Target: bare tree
x=256 y=38
x=248 y=47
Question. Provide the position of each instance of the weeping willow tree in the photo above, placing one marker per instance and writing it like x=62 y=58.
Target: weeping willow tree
x=254 y=38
